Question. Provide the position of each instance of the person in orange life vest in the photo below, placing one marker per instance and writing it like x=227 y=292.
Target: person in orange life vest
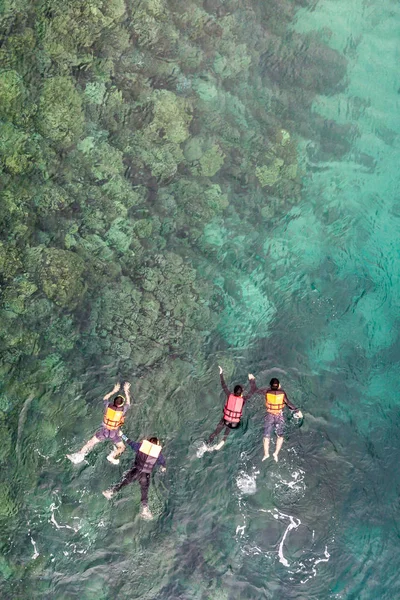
x=275 y=401
x=148 y=455
x=233 y=409
x=114 y=415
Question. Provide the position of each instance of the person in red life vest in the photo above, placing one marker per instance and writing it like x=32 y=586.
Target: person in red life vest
x=275 y=401
x=114 y=416
x=148 y=455
x=233 y=409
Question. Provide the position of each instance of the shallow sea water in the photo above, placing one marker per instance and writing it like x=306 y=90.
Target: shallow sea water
x=318 y=308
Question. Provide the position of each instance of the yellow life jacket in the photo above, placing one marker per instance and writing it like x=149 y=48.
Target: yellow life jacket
x=147 y=456
x=150 y=449
x=274 y=402
x=113 y=418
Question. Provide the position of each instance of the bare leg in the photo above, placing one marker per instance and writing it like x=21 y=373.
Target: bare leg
x=144 y=481
x=89 y=445
x=227 y=432
x=222 y=442
x=279 y=442
x=128 y=477
x=218 y=430
x=117 y=451
x=266 y=447
x=79 y=457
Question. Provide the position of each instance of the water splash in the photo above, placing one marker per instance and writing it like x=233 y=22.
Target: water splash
x=54 y=506
x=246 y=482
x=35 y=554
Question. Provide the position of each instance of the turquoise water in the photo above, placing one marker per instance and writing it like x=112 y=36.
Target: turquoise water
x=182 y=187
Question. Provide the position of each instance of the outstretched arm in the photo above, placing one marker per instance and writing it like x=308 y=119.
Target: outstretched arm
x=113 y=391
x=261 y=390
x=223 y=384
x=134 y=445
x=292 y=407
x=161 y=461
x=253 y=388
x=127 y=387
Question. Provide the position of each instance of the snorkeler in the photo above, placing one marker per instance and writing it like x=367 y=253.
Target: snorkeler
x=148 y=455
x=232 y=412
x=114 y=416
x=275 y=401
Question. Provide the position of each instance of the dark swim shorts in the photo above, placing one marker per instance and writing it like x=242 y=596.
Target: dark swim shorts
x=231 y=425
x=113 y=435
x=271 y=422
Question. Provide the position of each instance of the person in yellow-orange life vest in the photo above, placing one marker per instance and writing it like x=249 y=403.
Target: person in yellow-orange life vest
x=275 y=401
x=232 y=412
x=113 y=419
x=148 y=455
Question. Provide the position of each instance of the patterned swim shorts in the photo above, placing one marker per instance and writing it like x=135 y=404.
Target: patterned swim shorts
x=272 y=422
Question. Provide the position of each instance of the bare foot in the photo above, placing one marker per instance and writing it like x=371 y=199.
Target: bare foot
x=108 y=494
x=76 y=458
x=146 y=513
x=219 y=446
x=275 y=456
x=201 y=450
x=265 y=457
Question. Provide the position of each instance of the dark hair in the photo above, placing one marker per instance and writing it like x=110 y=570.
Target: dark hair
x=119 y=401
x=274 y=383
x=154 y=440
x=237 y=390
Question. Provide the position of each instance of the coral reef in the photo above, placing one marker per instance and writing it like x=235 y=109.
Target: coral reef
x=60 y=118
x=140 y=142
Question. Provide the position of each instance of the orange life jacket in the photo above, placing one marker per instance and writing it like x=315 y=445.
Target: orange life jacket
x=147 y=456
x=113 y=417
x=233 y=408
x=274 y=401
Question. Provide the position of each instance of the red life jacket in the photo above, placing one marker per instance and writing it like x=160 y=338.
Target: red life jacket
x=233 y=408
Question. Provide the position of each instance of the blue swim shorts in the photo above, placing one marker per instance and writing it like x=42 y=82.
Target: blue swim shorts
x=272 y=422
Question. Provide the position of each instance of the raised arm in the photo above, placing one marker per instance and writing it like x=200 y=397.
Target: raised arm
x=113 y=391
x=253 y=388
x=127 y=387
x=223 y=384
x=261 y=390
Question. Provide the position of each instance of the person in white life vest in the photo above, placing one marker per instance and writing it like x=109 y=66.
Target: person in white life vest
x=233 y=409
x=148 y=455
x=113 y=419
x=275 y=401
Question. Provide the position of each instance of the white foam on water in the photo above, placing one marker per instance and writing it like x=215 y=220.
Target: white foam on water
x=42 y=455
x=293 y=524
x=314 y=564
x=247 y=483
x=53 y=507
x=290 y=488
x=306 y=568
x=35 y=549
x=74 y=550
x=201 y=450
